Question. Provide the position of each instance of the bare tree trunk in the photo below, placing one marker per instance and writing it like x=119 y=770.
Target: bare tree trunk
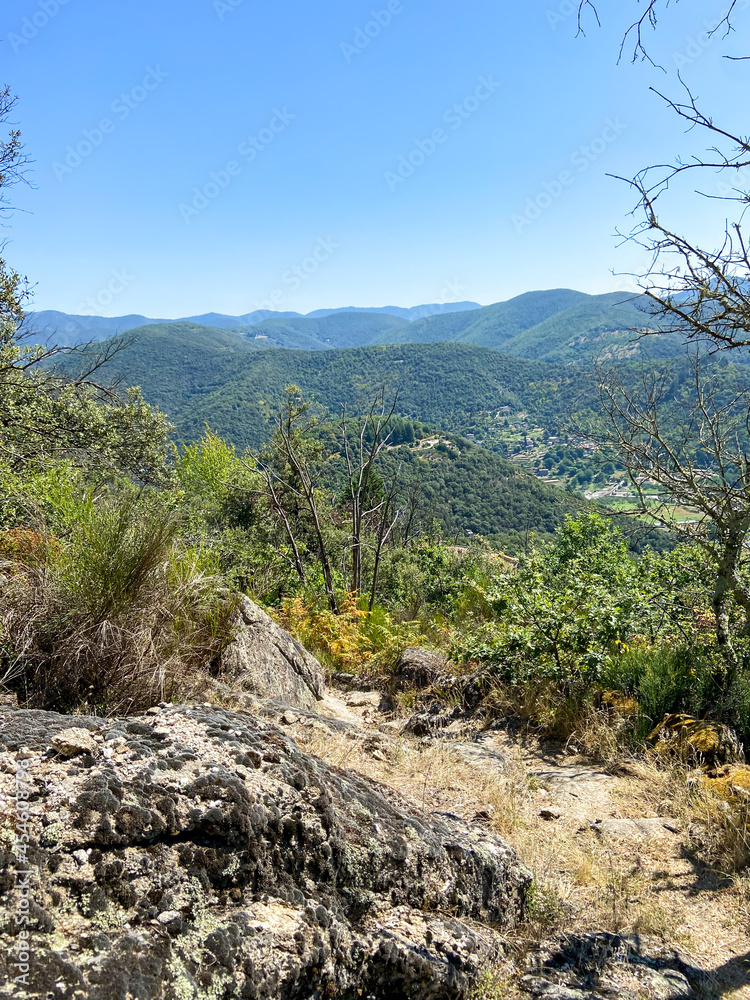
x=723 y=630
x=383 y=535
x=281 y=514
x=323 y=551
x=693 y=447
x=360 y=472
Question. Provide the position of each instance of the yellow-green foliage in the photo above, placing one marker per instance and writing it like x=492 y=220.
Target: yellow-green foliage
x=352 y=640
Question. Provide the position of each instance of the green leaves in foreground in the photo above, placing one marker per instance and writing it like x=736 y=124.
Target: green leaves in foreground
x=568 y=610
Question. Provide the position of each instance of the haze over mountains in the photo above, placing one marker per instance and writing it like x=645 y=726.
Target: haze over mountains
x=69 y=328
x=557 y=325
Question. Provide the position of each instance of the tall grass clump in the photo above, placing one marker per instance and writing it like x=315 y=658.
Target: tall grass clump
x=117 y=616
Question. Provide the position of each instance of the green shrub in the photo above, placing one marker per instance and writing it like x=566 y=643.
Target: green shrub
x=119 y=617
x=565 y=612
x=685 y=678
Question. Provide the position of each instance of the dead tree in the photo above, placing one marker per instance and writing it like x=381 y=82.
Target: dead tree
x=388 y=517
x=361 y=452
x=700 y=292
x=288 y=473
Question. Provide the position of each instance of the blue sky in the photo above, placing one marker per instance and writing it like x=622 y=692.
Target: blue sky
x=229 y=155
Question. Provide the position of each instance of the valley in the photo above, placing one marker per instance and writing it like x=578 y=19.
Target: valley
x=374 y=652
x=529 y=422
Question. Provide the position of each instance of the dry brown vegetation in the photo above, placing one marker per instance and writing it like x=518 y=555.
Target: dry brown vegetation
x=667 y=886
x=117 y=618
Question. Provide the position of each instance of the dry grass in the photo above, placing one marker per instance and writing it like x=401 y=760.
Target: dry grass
x=584 y=881
x=597 y=733
x=115 y=619
x=433 y=777
x=715 y=822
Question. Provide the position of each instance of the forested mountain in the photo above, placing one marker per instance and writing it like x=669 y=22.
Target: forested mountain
x=492 y=325
x=204 y=376
x=469 y=490
x=65 y=329
x=412 y=313
x=599 y=327
x=340 y=329
x=559 y=325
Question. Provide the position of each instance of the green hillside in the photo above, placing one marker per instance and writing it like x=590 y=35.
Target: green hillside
x=557 y=325
x=471 y=491
x=494 y=326
x=199 y=376
x=597 y=328
x=202 y=376
x=344 y=329
x=491 y=325
x=175 y=362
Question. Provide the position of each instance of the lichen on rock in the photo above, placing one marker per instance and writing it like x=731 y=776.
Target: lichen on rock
x=196 y=853
x=265 y=660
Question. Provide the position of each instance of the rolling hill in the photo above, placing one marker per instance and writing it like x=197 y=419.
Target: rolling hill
x=595 y=328
x=208 y=376
x=492 y=325
x=205 y=375
x=558 y=325
x=67 y=330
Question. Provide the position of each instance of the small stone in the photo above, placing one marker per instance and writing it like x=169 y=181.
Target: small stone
x=549 y=814
x=364 y=699
x=71 y=742
x=390 y=727
x=289 y=718
x=81 y=857
x=626 y=828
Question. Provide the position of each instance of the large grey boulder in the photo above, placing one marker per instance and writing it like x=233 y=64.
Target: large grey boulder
x=419 y=668
x=267 y=661
x=194 y=852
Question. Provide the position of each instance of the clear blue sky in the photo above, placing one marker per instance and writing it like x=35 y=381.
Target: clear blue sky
x=305 y=127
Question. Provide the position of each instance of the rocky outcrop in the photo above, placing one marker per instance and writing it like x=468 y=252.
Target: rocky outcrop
x=698 y=741
x=419 y=668
x=195 y=852
x=608 y=966
x=267 y=661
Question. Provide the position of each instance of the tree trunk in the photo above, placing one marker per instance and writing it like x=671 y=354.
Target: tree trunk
x=324 y=560
x=722 y=593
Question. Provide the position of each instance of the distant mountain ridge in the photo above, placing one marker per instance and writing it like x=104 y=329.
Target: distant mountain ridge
x=69 y=329
x=557 y=325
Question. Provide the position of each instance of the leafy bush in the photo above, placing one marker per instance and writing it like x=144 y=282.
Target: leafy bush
x=51 y=496
x=434 y=580
x=566 y=611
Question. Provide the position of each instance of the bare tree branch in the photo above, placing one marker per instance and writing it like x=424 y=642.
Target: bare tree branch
x=649 y=18
x=692 y=448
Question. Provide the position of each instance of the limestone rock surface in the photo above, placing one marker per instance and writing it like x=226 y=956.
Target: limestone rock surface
x=195 y=852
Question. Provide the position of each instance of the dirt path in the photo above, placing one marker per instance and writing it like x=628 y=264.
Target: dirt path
x=608 y=853
x=617 y=857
